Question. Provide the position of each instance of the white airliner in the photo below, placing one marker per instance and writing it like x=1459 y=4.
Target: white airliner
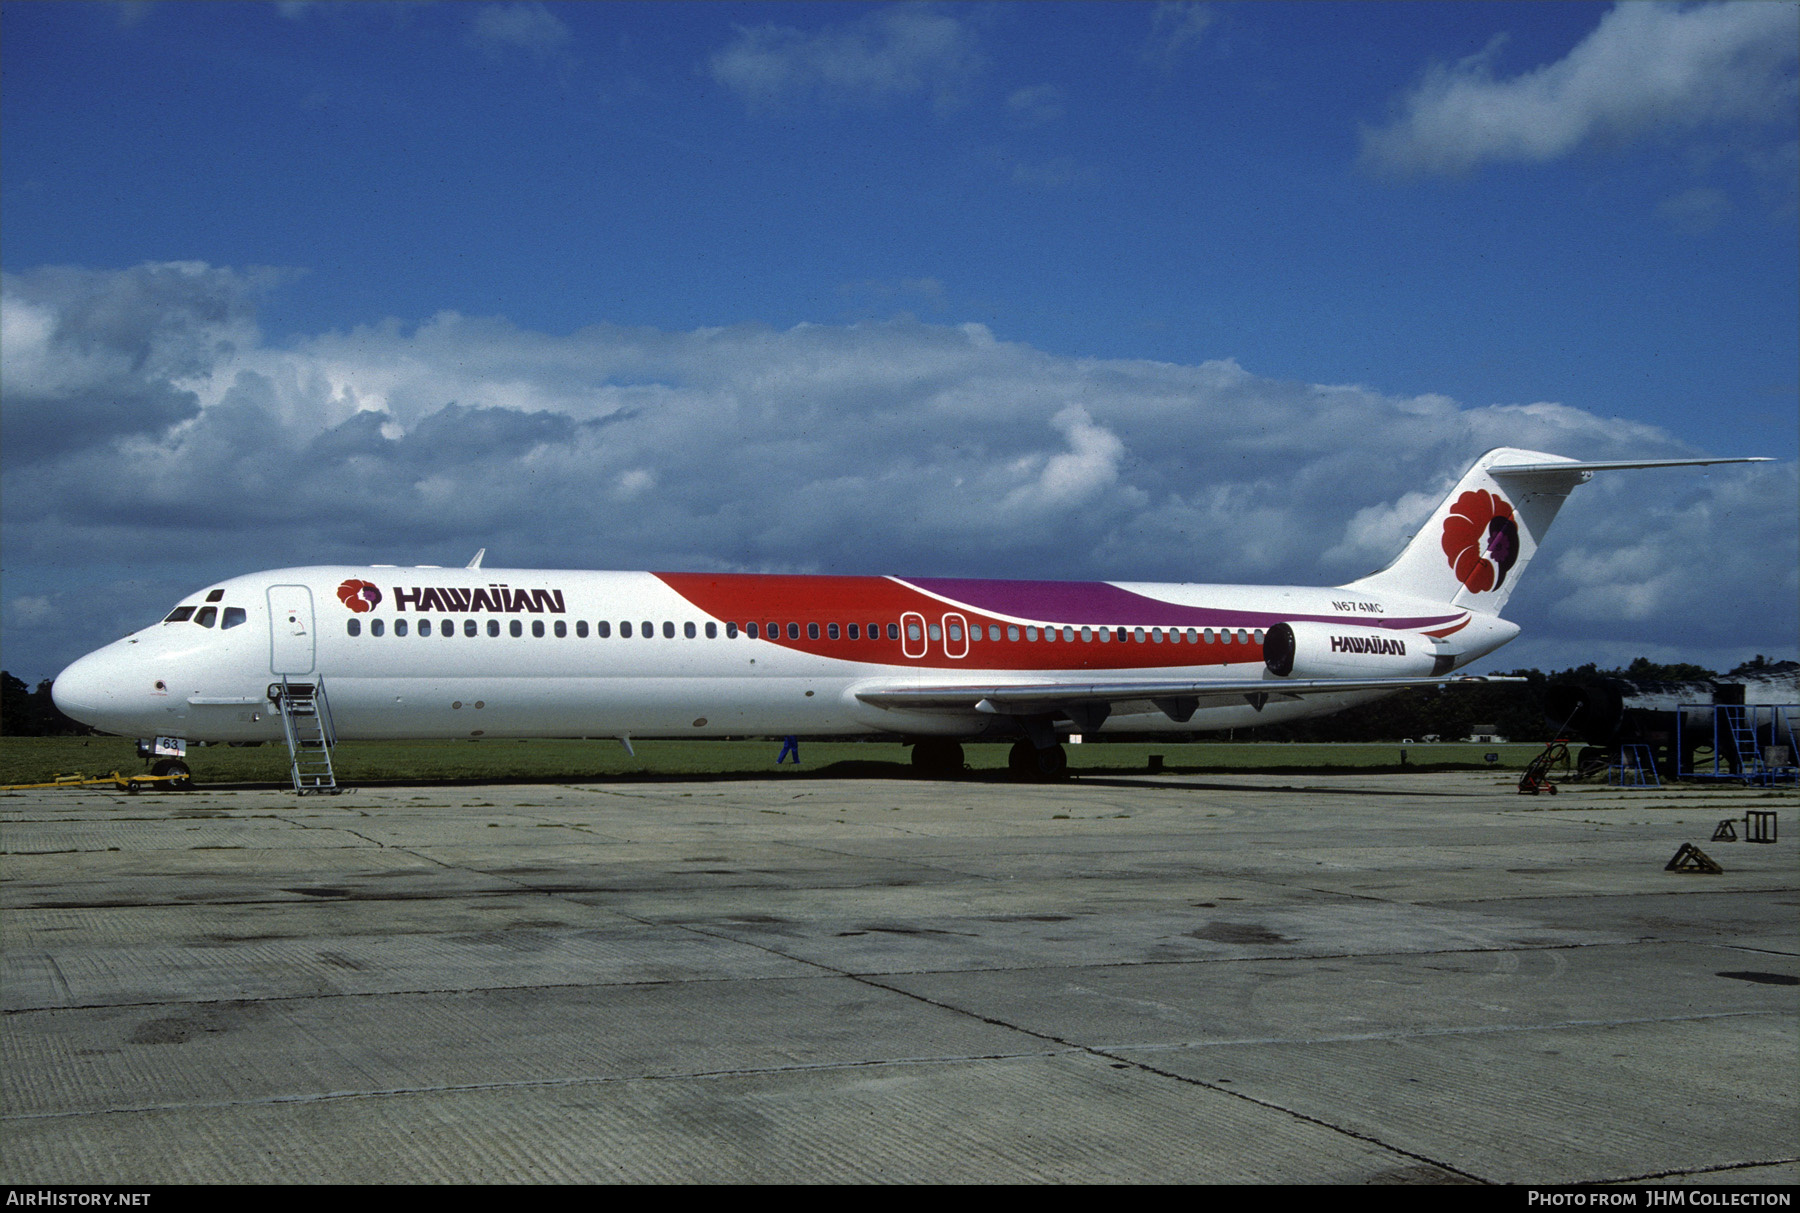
x=426 y=652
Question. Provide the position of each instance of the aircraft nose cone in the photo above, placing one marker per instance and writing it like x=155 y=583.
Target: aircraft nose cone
x=82 y=691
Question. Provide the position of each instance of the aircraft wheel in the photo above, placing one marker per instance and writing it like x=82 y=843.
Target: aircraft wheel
x=937 y=757
x=1053 y=763
x=173 y=766
x=1022 y=761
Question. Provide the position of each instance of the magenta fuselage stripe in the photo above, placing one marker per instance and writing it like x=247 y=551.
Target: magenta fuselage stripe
x=1099 y=602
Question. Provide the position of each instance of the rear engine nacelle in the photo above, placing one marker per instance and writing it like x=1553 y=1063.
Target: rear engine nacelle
x=1334 y=650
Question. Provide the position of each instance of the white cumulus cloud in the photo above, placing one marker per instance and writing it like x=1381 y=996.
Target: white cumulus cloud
x=899 y=447
x=892 y=53
x=1647 y=67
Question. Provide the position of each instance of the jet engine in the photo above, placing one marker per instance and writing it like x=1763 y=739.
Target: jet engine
x=1337 y=650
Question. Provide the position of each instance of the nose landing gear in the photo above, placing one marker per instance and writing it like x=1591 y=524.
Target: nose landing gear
x=179 y=778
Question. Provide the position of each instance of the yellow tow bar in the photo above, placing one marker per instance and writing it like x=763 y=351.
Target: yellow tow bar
x=125 y=783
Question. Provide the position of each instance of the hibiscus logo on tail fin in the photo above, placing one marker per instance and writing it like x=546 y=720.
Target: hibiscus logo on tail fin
x=1481 y=538
x=359 y=596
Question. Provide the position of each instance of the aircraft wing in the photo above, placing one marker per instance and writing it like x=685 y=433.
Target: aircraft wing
x=1177 y=699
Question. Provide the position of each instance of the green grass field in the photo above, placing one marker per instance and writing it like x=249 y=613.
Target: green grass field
x=38 y=759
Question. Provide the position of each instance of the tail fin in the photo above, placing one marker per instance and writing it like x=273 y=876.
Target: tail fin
x=1474 y=549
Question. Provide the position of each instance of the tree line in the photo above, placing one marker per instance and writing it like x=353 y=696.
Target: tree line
x=28 y=713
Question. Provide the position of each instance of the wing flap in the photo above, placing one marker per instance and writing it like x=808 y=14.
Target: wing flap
x=1176 y=699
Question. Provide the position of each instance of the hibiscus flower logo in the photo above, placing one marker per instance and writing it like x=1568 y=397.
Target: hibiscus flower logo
x=1481 y=538
x=359 y=596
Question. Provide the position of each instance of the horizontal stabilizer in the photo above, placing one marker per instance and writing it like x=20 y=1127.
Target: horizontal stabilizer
x=1610 y=465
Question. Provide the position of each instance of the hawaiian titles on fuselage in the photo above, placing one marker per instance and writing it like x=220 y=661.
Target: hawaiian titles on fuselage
x=498 y=599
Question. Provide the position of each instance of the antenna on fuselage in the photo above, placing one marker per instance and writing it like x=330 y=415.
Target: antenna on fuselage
x=476 y=563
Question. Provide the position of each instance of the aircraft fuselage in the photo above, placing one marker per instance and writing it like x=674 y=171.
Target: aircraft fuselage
x=431 y=652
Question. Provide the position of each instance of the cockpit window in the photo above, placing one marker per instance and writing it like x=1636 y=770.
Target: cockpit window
x=180 y=615
x=207 y=616
x=215 y=595
x=233 y=617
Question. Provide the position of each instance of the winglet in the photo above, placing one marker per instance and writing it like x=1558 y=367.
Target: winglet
x=476 y=563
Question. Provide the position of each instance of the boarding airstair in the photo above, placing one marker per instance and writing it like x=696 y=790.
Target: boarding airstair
x=1741 y=736
x=306 y=719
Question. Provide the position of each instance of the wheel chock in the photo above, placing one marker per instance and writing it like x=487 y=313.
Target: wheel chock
x=1691 y=858
x=1727 y=831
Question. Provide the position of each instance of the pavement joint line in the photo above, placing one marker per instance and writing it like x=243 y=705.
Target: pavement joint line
x=1744 y=947
x=1308 y=1118
x=1691 y=890
x=1426 y=1033
x=1714 y=1169
x=528 y=1084
x=867 y=977
x=1100 y=1052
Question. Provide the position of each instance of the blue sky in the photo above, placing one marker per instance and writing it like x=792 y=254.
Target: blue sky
x=1263 y=275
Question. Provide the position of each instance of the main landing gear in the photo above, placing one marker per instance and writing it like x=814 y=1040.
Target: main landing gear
x=1028 y=763
x=942 y=758
x=937 y=757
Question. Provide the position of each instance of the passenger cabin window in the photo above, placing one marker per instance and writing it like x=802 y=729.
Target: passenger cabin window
x=580 y=629
x=603 y=629
x=493 y=627
x=562 y=629
x=625 y=628
x=712 y=630
x=399 y=627
x=687 y=629
x=207 y=616
x=424 y=627
x=376 y=627
x=353 y=626
x=180 y=615
x=731 y=631
x=468 y=627
x=516 y=628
